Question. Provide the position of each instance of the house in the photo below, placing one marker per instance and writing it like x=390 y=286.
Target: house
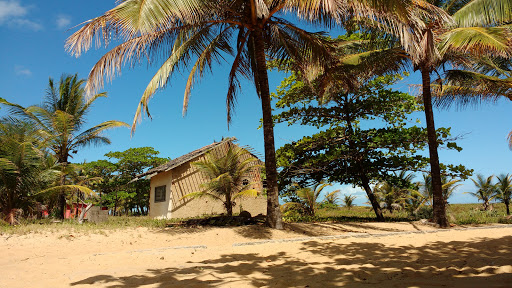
x=178 y=177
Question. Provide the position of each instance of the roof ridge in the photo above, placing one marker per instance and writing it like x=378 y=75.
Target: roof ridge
x=183 y=159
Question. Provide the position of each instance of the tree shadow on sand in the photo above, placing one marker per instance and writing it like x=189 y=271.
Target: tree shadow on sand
x=482 y=263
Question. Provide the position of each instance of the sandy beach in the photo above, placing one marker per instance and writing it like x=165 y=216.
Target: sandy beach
x=303 y=255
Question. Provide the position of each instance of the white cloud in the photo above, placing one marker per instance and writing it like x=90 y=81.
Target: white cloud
x=63 y=21
x=22 y=71
x=13 y=14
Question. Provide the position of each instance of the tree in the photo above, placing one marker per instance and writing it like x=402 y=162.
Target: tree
x=504 y=189
x=448 y=186
x=486 y=190
x=226 y=174
x=343 y=151
x=22 y=167
x=348 y=201
x=129 y=164
x=62 y=118
x=309 y=197
x=445 y=44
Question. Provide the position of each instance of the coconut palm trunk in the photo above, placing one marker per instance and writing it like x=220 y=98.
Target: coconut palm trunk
x=435 y=170
x=274 y=219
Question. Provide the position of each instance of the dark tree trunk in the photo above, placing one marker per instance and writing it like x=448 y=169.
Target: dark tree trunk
x=371 y=197
x=507 y=203
x=62 y=194
x=229 y=205
x=435 y=170
x=274 y=219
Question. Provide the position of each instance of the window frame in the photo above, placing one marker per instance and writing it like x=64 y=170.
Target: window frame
x=162 y=195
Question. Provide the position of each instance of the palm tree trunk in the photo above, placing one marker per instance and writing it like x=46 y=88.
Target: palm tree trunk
x=371 y=197
x=274 y=219
x=507 y=203
x=435 y=170
x=62 y=194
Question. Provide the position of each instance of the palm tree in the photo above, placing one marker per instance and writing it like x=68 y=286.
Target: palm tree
x=61 y=118
x=486 y=190
x=22 y=166
x=310 y=196
x=348 y=201
x=226 y=174
x=448 y=185
x=332 y=198
x=504 y=188
x=205 y=31
x=472 y=32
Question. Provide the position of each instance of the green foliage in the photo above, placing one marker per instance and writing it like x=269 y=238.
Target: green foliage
x=486 y=190
x=116 y=188
x=226 y=174
x=25 y=168
x=348 y=201
x=344 y=150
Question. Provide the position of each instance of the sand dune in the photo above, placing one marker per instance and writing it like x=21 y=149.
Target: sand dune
x=303 y=255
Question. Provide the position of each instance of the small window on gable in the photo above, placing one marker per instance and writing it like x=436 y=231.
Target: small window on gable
x=245 y=182
x=160 y=194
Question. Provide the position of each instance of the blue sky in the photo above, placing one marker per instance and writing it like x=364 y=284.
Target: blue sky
x=33 y=35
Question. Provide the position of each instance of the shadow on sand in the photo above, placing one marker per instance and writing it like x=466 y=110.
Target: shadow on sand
x=438 y=264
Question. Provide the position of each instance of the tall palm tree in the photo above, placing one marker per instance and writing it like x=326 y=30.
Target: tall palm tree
x=486 y=190
x=476 y=31
x=226 y=174
x=504 y=188
x=62 y=118
x=204 y=31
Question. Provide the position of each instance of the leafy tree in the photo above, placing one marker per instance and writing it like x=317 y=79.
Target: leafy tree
x=504 y=189
x=226 y=174
x=61 y=118
x=130 y=163
x=348 y=201
x=486 y=190
x=344 y=152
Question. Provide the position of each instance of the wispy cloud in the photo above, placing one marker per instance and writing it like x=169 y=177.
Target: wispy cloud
x=63 y=21
x=13 y=14
x=22 y=71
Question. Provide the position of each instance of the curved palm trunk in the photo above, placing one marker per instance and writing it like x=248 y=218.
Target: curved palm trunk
x=274 y=219
x=507 y=203
x=435 y=170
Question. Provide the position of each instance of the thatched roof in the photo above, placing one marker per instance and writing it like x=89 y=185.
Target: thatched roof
x=181 y=160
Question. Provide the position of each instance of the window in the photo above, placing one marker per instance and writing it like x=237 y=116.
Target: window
x=160 y=194
x=245 y=182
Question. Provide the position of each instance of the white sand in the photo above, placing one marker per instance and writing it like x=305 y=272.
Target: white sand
x=385 y=254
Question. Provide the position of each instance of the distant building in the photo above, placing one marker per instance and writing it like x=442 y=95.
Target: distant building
x=178 y=177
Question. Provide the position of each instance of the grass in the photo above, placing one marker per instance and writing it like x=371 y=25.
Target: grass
x=113 y=223
x=459 y=214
